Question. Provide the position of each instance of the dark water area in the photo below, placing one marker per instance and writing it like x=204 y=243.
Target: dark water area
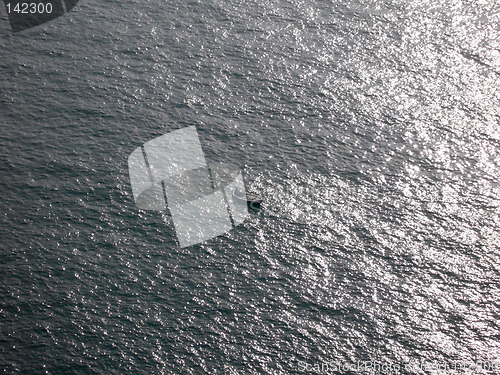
x=371 y=129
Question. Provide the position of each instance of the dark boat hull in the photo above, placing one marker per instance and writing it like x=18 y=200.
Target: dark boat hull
x=253 y=201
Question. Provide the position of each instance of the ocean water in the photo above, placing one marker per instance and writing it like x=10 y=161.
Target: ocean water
x=371 y=129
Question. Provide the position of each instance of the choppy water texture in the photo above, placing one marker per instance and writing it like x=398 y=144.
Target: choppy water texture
x=370 y=127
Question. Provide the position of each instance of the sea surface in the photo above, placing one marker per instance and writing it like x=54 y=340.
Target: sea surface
x=371 y=129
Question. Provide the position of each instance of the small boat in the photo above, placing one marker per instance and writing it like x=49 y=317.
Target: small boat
x=253 y=201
